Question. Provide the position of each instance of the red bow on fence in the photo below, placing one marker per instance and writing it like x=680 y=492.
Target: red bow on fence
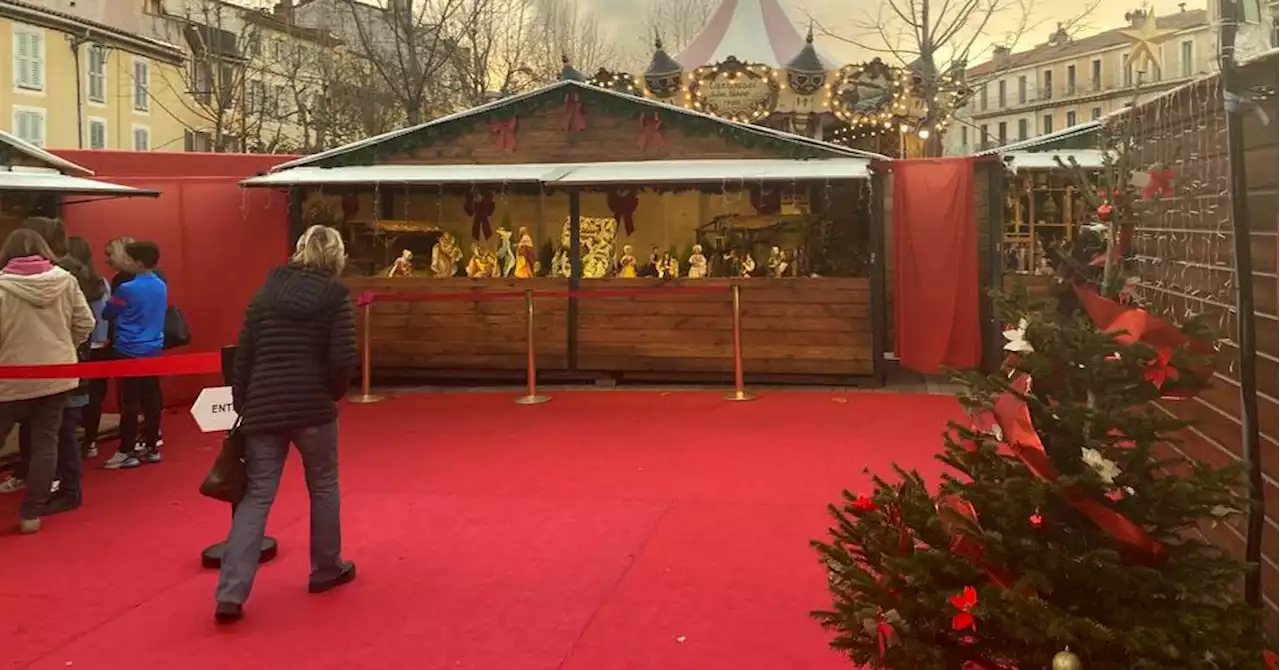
x=573 y=119
x=650 y=132
x=623 y=205
x=504 y=134
x=479 y=206
x=1159 y=183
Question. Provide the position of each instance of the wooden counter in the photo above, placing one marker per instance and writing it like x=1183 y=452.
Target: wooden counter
x=807 y=330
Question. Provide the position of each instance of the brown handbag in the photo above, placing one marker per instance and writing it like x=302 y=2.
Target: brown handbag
x=228 y=477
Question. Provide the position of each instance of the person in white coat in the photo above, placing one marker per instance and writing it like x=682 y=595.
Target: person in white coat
x=44 y=318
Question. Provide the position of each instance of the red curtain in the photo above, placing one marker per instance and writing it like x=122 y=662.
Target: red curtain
x=935 y=255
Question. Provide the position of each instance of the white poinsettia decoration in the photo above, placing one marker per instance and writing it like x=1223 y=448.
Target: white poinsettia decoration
x=1017 y=339
x=1106 y=469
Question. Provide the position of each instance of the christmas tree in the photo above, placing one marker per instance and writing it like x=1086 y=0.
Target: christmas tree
x=1065 y=534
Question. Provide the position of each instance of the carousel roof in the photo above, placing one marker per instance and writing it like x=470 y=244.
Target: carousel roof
x=753 y=31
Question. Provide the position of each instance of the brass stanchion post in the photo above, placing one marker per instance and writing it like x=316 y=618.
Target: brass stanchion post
x=366 y=395
x=740 y=393
x=531 y=397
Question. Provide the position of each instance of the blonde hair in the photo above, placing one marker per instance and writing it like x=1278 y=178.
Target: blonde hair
x=321 y=248
x=117 y=256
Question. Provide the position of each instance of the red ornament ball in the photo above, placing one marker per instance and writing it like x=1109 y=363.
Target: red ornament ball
x=1104 y=212
x=1036 y=520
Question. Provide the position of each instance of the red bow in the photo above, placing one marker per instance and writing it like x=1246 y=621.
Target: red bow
x=964 y=602
x=954 y=510
x=884 y=631
x=1020 y=435
x=650 y=132
x=1159 y=183
x=573 y=119
x=1159 y=370
x=479 y=207
x=504 y=134
x=622 y=203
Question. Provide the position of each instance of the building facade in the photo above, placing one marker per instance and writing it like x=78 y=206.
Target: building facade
x=76 y=83
x=1066 y=81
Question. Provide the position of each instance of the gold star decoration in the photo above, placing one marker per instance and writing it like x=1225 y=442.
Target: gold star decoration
x=1146 y=40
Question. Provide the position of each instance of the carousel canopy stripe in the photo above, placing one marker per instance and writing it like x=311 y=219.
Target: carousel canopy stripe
x=1089 y=159
x=636 y=173
x=51 y=181
x=32 y=151
x=711 y=171
x=753 y=31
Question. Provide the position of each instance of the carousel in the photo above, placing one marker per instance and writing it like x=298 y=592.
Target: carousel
x=751 y=65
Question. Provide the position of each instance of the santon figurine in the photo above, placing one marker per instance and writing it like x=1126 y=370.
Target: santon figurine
x=627 y=262
x=445 y=256
x=748 y=266
x=526 y=255
x=403 y=267
x=697 y=263
x=506 y=257
x=483 y=263
x=777 y=263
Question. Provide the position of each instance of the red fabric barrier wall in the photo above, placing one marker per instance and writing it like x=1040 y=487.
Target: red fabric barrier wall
x=935 y=265
x=217 y=241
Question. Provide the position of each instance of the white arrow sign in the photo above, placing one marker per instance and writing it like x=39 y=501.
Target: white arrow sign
x=213 y=410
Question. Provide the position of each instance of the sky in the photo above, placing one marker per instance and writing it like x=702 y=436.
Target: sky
x=622 y=19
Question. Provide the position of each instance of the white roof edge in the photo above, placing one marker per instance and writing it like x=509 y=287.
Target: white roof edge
x=617 y=172
x=835 y=149
x=33 y=151
x=38 y=180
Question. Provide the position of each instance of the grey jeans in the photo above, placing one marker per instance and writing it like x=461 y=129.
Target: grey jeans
x=42 y=417
x=265 y=455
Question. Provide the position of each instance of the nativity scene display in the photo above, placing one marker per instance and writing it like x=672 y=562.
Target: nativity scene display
x=756 y=233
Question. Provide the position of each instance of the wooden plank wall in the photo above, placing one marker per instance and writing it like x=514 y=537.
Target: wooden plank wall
x=464 y=338
x=791 y=327
x=1184 y=248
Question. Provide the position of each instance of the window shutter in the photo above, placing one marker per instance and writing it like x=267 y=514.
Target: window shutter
x=37 y=123
x=24 y=125
x=37 y=64
x=22 y=57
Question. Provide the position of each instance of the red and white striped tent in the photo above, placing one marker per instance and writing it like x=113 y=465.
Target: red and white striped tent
x=753 y=31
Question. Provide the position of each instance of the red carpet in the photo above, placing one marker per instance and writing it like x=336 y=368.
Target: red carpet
x=603 y=531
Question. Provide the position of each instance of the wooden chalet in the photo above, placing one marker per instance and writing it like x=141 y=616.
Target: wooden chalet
x=578 y=180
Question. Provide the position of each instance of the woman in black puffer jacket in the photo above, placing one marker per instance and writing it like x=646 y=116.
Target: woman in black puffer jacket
x=295 y=355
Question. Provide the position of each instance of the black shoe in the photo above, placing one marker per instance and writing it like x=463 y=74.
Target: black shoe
x=227 y=613
x=347 y=576
x=61 y=502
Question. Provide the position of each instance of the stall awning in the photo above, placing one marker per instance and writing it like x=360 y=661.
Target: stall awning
x=704 y=171
x=636 y=173
x=1090 y=159
x=40 y=180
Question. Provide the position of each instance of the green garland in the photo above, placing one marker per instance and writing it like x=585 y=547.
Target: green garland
x=592 y=101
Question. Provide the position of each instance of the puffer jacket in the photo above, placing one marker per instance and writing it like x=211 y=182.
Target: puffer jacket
x=43 y=320
x=296 y=352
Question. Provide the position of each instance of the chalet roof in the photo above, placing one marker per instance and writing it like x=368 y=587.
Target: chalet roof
x=329 y=158
x=1082 y=136
x=15 y=143
x=1077 y=47
x=753 y=31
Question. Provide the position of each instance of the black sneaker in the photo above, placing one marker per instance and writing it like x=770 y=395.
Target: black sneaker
x=60 y=503
x=228 y=613
x=347 y=576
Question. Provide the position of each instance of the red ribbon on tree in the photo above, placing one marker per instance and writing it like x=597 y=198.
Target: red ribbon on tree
x=1132 y=324
x=1014 y=418
x=479 y=206
x=953 y=509
x=766 y=202
x=650 y=132
x=1159 y=183
x=504 y=134
x=623 y=203
x=574 y=121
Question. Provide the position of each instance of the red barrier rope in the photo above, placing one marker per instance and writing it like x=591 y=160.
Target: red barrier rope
x=369 y=297
x=160 y=366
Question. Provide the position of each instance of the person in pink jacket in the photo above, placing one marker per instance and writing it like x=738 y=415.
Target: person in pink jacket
x=44 y=318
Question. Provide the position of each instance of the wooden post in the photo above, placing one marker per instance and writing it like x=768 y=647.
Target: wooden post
x=366 y=395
